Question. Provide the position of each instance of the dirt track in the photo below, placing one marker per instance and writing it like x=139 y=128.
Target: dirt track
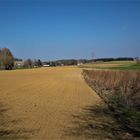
x=40 y=103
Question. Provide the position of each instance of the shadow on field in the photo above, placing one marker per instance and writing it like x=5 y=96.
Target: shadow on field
x=96 y=122
x=9 y=129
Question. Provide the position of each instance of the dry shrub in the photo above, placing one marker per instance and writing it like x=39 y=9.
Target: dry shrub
x=125 y=84
x=120 y=90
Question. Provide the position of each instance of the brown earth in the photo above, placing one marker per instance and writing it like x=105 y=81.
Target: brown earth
x=52 y=104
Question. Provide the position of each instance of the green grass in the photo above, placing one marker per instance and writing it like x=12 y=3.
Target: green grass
x=122 y=65
x=125 y=67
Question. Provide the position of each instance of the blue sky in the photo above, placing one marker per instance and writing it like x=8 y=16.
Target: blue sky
x=56 y=29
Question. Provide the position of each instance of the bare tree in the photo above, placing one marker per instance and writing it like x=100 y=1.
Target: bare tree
x=138 y=60
x=39 y=63
x=28 y=63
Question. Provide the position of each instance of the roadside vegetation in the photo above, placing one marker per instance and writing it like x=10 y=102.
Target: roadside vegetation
x=121 y=91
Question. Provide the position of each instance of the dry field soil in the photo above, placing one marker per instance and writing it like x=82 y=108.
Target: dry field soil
x=40 y=104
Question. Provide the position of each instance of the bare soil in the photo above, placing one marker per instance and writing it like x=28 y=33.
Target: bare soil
x=53 y=104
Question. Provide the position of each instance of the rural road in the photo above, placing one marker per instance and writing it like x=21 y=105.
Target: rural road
x=41 y=104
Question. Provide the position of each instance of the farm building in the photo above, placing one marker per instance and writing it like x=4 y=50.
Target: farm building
x=19 y=64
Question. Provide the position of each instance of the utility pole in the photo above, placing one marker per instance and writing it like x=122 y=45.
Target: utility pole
x=92 y=56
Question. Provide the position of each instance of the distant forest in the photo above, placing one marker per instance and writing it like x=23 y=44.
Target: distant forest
x=68 y=62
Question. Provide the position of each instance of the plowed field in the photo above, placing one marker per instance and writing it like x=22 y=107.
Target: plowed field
x=40 y=104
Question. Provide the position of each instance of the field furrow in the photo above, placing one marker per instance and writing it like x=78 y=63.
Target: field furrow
x=41 y=102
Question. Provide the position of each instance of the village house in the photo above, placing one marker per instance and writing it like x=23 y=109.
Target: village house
x=19 y=64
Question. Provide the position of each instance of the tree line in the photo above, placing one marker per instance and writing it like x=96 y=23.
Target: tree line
x=29 y=63
x=8 y=62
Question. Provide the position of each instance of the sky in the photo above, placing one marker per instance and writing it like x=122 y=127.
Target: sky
x=65 y=29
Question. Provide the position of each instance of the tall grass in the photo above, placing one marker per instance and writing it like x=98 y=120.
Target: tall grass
x=121 y=91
